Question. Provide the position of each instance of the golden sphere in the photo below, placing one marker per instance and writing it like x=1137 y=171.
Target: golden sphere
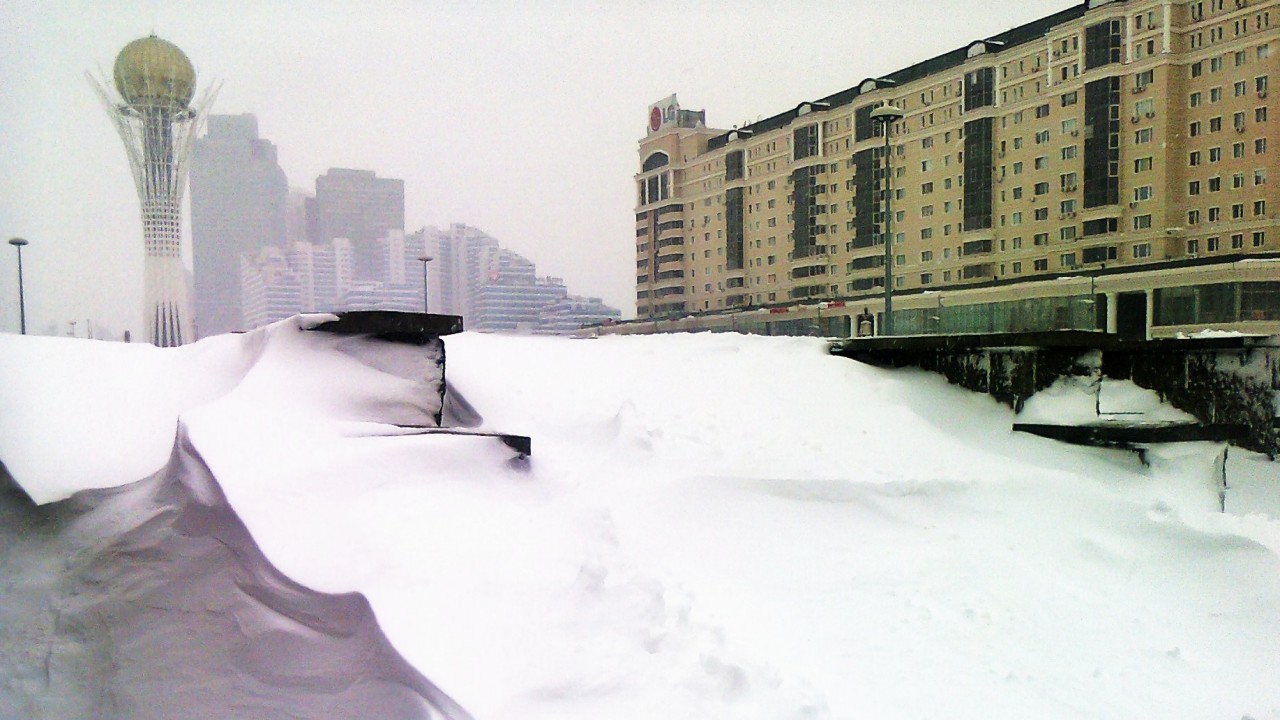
x=153 y=72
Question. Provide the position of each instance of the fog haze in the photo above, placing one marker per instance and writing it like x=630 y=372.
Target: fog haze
x=518 y=118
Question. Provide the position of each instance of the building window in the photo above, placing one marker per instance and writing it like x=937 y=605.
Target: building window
x=805 y=142
x=1193 y=187
x=1141 y=222
x=1259 y=208
x=1142 y=136
x=1259 y=239
x=1067 y=260
x=1237 y=241
x=1041 y=265
x=1141 y=250
x=1142 y=164
x=1141 y=193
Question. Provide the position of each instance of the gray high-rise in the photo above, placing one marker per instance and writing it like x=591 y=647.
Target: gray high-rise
x=238 y=200
x=362 y=207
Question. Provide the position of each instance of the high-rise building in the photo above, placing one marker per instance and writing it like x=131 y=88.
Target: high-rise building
x=150 y=102
x=295 y=216
x=573 y=312
x=510 y=296
x=271 y=290
x=470 y=274
x=324 y=273
x=362 y=207
x=239 y=199
x=1106 y=167
x=495 y=289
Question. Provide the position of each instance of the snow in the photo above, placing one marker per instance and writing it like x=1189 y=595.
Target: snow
x=1095 y=400
x=717 y=526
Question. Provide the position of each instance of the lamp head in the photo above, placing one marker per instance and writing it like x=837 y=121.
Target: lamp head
x=887 y=113
x=18 y=242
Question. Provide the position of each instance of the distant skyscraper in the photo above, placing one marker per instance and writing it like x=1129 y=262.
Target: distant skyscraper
x=325 y=273
x=271 y=290
x=150 y=104
x=295 y=216
x=362 y=207
x=471 y=275
x=573 y=312
x=497 y=290
x=239 y=196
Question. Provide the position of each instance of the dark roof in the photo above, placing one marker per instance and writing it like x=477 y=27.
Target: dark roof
x=1034 y=30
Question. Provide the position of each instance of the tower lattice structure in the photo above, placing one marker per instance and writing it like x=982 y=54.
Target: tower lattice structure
x=150 y=104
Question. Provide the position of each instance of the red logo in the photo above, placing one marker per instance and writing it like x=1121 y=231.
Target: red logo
x=655 y=119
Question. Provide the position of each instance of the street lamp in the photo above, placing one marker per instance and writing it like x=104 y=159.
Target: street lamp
x=22 y=300
x=424 y=259
x=885 y=115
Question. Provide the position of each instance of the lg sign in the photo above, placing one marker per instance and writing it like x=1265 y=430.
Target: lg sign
x=663 y=114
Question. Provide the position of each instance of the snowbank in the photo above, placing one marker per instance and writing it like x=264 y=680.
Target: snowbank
x=716 y=526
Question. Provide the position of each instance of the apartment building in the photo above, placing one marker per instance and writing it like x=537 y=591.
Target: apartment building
x=1111 y=166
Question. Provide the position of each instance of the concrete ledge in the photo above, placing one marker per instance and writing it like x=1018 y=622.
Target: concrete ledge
x=412 y=328
x=1119 y=435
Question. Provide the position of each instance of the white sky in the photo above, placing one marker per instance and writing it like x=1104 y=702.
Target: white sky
x=520 y=118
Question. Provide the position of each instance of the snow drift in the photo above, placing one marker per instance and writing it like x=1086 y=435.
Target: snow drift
x=712 y=526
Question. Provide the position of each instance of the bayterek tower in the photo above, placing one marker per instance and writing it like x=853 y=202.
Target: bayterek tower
x=150 y=104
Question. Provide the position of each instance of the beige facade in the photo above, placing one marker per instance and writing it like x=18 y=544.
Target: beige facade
x=1111 y=165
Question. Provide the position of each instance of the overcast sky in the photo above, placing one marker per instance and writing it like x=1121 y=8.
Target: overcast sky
x=520 y=118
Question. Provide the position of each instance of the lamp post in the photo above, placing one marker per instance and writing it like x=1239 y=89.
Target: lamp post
x=886 y=115
x=424 y=259
x=22 y=300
